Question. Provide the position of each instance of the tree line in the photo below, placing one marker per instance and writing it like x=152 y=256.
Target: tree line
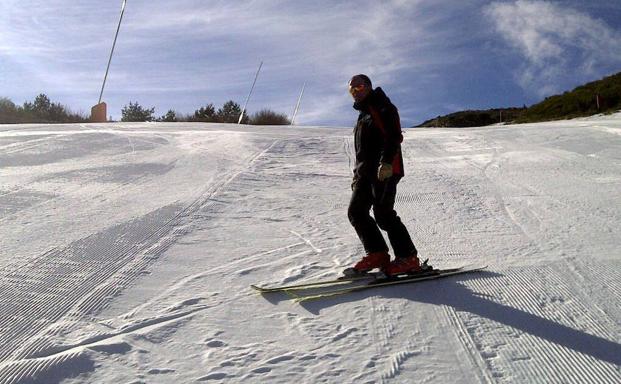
x=601 y=96
x=40 y=110
x=43 y=110
x=228 y=113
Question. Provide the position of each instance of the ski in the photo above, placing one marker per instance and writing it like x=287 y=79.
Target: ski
x=316 y=284
x=349 y=276
x=388 y=281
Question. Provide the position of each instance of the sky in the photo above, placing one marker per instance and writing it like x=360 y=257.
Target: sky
x=431 y=57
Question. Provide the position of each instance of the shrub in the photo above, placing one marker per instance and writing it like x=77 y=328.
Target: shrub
x=268 y=117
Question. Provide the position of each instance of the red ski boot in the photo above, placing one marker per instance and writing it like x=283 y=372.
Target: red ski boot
x=403 y=265
x=370 y=261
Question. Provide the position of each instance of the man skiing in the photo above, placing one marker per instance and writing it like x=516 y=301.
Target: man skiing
x=378 y=169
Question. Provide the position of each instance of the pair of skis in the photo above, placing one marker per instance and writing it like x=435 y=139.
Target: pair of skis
x=348 y=284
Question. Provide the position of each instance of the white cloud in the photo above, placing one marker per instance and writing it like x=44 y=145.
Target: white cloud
x=555 y=40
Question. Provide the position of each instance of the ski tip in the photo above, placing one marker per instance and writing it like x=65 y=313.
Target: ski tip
x=257 y=288
x=479 y=267
x=473 y=267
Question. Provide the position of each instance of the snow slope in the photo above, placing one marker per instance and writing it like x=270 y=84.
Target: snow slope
x=127 y=251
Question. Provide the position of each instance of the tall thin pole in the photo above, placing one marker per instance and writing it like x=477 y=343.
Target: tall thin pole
x=297 y=106
x=112 y=51
x=241 y=115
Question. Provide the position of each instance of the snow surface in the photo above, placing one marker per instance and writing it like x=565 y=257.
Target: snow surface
x=127 y=252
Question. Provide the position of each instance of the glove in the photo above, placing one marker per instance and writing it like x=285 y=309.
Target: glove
x=384 y=171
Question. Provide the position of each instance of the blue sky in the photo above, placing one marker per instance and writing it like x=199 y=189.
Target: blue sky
x=432 y=57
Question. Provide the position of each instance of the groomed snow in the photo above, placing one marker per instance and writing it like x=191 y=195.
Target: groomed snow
x=127 y=252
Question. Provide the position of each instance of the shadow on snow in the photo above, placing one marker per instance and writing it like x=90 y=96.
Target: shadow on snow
x=452 y=293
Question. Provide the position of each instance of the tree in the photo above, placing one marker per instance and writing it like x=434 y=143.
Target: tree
x=205 y=114
x=135 y=112
x=170 y=116
x=8 y=111
x=268 y=117
x=7 y=106
x=42 y=104
x=42 y=110
x=229 y=113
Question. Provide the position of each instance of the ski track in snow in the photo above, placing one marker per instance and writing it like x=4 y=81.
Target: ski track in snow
x=156 y=279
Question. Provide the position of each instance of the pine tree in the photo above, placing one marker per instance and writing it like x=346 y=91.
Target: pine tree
x=229 y=113
x=170 y=116
x=205 y=114
x=135 y=112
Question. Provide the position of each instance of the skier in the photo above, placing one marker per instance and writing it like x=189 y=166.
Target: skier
x=378 y=169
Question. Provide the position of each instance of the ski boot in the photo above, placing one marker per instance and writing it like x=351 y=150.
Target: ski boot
x=371 y=261
x=407 y=266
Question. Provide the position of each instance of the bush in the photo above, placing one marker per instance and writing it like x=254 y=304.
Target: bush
x=135 y=112
x=268 y=117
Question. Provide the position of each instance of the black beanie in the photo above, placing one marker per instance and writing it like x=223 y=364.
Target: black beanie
x=364 y=78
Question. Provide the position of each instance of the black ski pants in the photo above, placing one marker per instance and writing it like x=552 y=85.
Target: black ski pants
x=381 y=197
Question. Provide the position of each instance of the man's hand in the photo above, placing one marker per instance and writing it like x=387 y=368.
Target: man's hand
x=384 y=171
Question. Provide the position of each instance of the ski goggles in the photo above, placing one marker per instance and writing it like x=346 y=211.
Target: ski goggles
x=356 y=89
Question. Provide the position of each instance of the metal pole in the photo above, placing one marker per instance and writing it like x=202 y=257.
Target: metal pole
x=241 y=115
x=597 y=100
x=112 y=51
x=297 y=106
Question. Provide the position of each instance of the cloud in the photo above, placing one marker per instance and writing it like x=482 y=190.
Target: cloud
x=556 y=42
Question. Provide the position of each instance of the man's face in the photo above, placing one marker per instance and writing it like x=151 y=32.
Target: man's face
x=359 y=90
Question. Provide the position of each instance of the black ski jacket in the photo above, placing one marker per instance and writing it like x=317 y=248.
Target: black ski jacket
x=377 y=142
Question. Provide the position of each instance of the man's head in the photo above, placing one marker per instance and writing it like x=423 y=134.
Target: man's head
x=360 y=87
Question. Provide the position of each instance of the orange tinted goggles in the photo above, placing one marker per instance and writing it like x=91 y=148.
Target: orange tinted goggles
x=357 y=88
